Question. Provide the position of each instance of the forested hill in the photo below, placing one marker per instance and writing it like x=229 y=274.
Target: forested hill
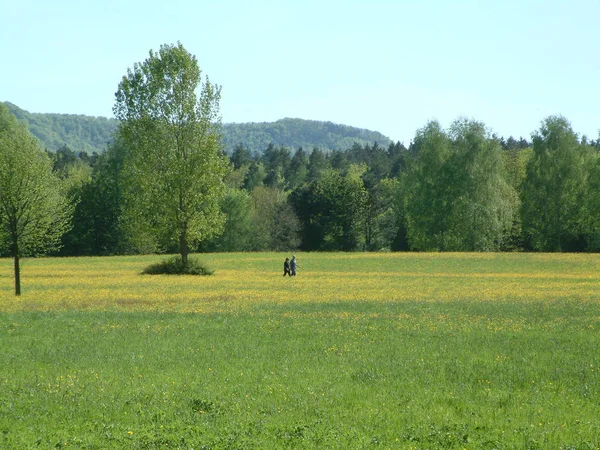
x=294 y=133
x=78 y=132
x=92 y=134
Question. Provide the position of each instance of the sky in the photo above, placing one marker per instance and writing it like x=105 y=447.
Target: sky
x=388 y=66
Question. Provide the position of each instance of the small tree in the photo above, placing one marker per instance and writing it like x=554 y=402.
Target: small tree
x=34 y=210
x=174 y=165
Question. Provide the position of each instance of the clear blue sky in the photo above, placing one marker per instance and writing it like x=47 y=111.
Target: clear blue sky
x=384 y=65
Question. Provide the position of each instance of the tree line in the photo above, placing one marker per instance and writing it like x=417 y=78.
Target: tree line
x=166 y=184
x=455 y=189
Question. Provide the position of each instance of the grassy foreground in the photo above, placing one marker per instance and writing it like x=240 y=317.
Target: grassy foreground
x=418 y=351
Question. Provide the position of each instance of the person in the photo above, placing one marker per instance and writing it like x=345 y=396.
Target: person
x=293 y=266
x=286 y=267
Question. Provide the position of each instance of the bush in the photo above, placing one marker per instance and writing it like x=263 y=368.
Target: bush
x=174 y=266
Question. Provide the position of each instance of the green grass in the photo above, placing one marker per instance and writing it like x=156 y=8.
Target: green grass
x=485 y=371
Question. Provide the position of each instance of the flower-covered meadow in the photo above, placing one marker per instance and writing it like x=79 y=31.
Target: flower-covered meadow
x=386 y=350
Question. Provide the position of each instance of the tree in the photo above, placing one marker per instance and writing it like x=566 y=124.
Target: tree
x=316 y=163
x=255 y=176
x=555 y=186
x=76 y=178
x=276 y=162
x=486 y=204
x=274 y=223
x=298 y=169
x=97 y=225
x=237 y=206
x=593 y=202
x=240 y=156
x=380 y=224
x=430 y=196
x=34 y=210
x=515 y=164
x=332 y=209
x=174 y=166
x=458 y=196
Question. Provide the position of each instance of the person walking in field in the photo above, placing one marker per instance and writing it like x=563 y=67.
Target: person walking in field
x=293 y=265
x=286 y=267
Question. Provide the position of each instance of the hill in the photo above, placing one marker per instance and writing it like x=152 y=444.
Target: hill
x=294 y=133
x=78 y=132
x=93 y=134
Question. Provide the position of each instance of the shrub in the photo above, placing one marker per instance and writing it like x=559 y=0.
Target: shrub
x=174 y=266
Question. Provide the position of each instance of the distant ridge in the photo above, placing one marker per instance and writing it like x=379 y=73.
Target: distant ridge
x=78 y=132
x=93 y=134
x=294 y=133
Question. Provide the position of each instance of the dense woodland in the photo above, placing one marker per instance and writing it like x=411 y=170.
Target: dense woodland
x=460 y=189
x=455 y=189
x=92 y=134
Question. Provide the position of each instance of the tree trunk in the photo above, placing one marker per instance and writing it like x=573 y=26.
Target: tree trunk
x=183 y=248
x=17 y=269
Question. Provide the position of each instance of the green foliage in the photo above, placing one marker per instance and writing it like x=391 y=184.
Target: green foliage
x=175 y=266
x=237 y=205
x=457 y=194
x=275 y=225
x=240 y=157
x=174 y=167
x=316 y=164
x=456 y=189
x=294 y=133
x=93 y=134
x=78 y=132
x=35 y=210
x=593 y=204
x=254 y=176
x=555 y=187
x=332 y=210
x=486 y=204
x=298 y=169
x=97 y=226
x=429 y=194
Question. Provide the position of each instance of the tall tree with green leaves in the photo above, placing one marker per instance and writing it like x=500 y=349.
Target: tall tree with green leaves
x=486 y=204
x=236 y=237
x=34 y=210
x=554 y=187
x=97 y=227
x=317 y=162
x=430 y=190
x=298 y=170
x=274 y=222
x=174 y=166
x=240 y=157
x=332 y=209
x=593 y=199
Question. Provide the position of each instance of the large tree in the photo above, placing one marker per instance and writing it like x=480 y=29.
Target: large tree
x=174 y=165
x=237 y=233
x=486 y=204
x=34 y=210
x=555 y=186
x=332 y=210
x=458 y=197
x=430 y=191
x=274 y=223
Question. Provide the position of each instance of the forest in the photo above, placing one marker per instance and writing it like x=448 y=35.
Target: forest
x=460 y=189
x=93 y=134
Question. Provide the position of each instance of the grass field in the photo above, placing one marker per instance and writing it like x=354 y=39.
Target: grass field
x=416 y=351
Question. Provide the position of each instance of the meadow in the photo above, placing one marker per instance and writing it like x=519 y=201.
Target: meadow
x=388 y=350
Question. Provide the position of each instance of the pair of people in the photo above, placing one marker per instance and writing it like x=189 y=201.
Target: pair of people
x=289 y=267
